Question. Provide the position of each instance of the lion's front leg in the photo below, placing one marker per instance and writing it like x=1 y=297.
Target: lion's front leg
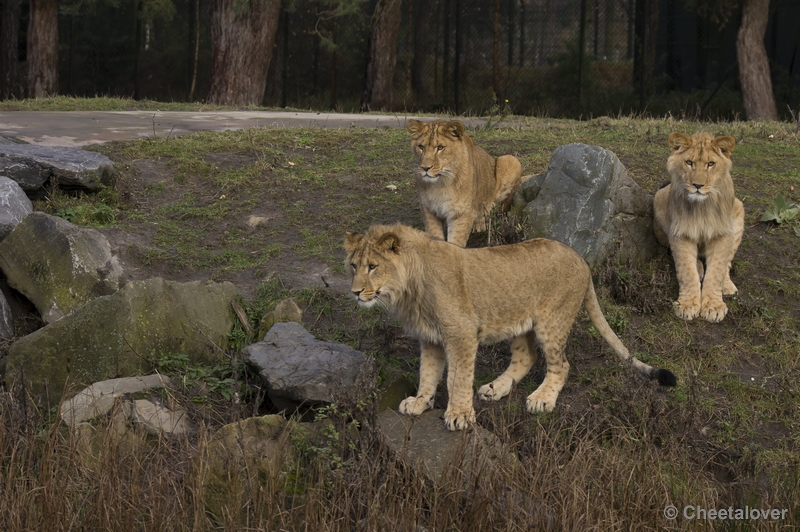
x=684 y=253
x=460 y=374
x=459 y=229
x=431 y=366
x=433 y=225
x=719 y=254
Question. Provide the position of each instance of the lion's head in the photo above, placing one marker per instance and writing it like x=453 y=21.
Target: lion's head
x=437 y=147
x=700 y=166
x=374 y=260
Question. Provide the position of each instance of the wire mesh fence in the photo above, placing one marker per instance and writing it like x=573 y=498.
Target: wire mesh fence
x=571 y=58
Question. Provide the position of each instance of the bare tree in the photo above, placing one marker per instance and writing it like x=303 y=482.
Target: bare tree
x=43 y=48
x=382 y=56
x=754 y=74
x=9 y=43
x=242 y=39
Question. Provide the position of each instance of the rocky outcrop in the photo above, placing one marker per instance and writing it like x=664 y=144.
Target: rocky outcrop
x=299 y=369
x=33 y=166
x=587 y=201
x=118 y=335
x=58 y=266
x=14 y=206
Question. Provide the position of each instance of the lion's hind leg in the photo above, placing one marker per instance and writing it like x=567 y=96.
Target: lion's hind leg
x=553 y=341
x=508 y=175
x=523 y=357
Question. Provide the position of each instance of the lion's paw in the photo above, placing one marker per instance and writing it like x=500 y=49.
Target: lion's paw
x=458 y=419
x=686 y=309
x=497 y=389
x=714 y=311
x=728 y=289
x=414 y=406
x=540 y=401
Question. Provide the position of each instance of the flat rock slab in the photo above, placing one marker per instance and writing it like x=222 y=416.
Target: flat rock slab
x=98 y=399
x=423 y=441
x=296 y=366
x=33 y=166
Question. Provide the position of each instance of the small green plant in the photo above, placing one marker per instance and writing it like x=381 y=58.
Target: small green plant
x=218 y=378
x=782 y=212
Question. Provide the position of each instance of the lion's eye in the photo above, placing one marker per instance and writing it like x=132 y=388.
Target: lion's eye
x=372 y=267
x=439 y=148
x=710 y=164
x=421 y=147
x=352 y=265
x=689 y=163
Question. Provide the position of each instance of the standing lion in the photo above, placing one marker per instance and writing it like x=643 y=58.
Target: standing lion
x=700 y=219
x=453 y=299
x=459 y=182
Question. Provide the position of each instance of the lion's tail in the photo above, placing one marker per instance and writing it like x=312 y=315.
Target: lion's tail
x=664 y=376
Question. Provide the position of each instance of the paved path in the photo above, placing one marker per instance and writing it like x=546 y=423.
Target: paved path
x=81 y=128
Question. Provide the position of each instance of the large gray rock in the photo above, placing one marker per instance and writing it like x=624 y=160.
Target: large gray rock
x=33 y=166
x=587 y=201
x=14 y=205
x=6 y=318
x=298 y=368
x=120 y=334
x=58 y=266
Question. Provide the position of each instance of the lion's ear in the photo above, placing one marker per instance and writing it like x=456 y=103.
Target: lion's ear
x=679 y=140
x=725 y=145
x=352 y=241
x=389 y=242
x=414 y=126
x=455 y=128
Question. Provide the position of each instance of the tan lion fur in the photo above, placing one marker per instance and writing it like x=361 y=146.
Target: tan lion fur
x=698 y=216
x=458 y=182
x=452 y=299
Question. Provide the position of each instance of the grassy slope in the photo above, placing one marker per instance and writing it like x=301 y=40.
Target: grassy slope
x=616 y=451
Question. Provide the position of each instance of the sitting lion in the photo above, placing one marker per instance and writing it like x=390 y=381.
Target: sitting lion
x=698 y=217
x=458 y=181
x=452 y=299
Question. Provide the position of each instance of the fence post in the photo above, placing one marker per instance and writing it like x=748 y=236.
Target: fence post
x=457 y=69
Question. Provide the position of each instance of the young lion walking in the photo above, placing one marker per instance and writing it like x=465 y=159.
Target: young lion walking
x=453 y=299
x=459 y=182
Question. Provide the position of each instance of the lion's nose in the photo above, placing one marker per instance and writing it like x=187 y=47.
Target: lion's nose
x=698 y=186
x=357 y=292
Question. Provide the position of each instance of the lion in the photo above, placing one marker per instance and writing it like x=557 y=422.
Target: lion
x=459 y=182
x=698 y=217
x=452 y=299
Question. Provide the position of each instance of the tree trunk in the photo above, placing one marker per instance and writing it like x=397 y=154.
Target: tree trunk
x=496 y=53
x=382 y=56
x=754 y=75
x=43 y=49
x=242 y=40
x=9 y=50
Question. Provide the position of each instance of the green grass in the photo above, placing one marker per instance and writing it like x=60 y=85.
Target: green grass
x=613 y=453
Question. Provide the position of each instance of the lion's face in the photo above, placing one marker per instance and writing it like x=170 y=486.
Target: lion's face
x=698 y=163
x=437 y=147
x=374 y=263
